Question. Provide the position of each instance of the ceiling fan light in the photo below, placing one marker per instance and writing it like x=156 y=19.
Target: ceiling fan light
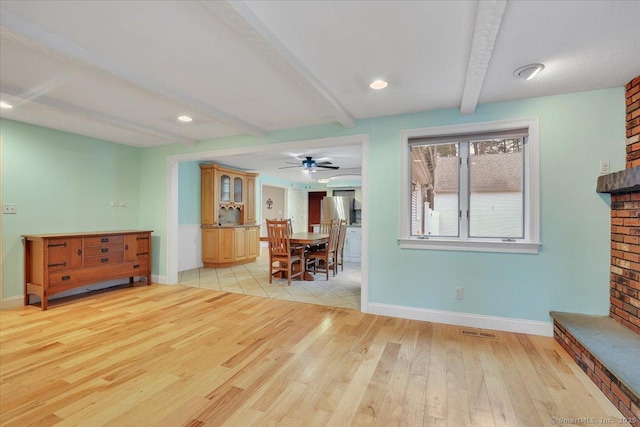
x=528 y=71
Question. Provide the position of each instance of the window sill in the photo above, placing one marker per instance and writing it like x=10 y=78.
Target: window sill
x=470 y=246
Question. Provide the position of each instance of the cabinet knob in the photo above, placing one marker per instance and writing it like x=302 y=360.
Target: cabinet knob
x=79 y=252
x=126 y=247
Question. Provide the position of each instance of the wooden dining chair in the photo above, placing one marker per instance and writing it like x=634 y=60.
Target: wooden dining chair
x=282 y=257
x=340 y=249
x=295 y=247
x=325 y=258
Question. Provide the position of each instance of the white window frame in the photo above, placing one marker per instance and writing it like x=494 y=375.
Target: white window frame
x=530 y=244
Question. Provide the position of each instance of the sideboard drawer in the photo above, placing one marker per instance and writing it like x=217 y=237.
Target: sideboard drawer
x=117 y=239
x=103 y=250
x=109 y=258
x=65 y=278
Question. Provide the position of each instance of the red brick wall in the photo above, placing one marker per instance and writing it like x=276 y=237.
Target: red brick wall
x=625 y=228
x=633 y=122
x=625 y=260
x=626 y=402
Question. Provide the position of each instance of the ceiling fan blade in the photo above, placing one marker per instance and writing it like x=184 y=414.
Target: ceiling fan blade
x=327 y=167
x=323 y=163
x=288 y=167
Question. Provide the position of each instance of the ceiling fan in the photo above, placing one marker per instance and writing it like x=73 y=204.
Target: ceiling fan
x=310 y=164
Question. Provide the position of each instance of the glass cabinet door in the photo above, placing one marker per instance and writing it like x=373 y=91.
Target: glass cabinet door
x=225 y=188
x=237 y=189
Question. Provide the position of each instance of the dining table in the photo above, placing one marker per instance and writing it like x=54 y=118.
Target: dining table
x=305 y=238
x=310 y=239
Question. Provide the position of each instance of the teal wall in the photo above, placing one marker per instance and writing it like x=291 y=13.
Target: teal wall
x=61 y=183
x=569 y=274
x=189 y=193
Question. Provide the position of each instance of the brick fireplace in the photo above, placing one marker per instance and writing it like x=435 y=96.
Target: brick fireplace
x=608 y=348
x=625 y=224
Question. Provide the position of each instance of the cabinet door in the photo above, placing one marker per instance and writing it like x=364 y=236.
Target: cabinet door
x=225 y=188
x=226 y=242
x=352 y=243
x=207 y=197
x=64 y=254
x=250 y=202
x=136 y=247
x=252 y=241
x=209 y=245
x=237 y=189
x=240 y=244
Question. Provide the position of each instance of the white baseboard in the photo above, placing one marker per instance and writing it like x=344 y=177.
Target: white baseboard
x=160 y=280
x=12 y=302
x=506 y=324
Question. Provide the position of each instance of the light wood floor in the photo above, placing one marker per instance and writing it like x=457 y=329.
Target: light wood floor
x=176 y=355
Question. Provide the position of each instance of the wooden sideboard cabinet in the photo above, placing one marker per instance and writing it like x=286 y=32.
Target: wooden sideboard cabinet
x=55 y=263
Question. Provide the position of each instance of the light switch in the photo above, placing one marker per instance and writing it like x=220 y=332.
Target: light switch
x=9 y=208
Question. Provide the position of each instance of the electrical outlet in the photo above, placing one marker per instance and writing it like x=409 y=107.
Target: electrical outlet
x=459 y=293
x=604 y=167
x=9 y=208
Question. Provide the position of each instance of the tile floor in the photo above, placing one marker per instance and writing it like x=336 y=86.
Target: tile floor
x=343 y=290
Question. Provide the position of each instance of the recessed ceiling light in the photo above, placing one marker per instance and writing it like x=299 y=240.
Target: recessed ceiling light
x=5 y=105
x=378 y=84
x=185 y=119
x=528 y=71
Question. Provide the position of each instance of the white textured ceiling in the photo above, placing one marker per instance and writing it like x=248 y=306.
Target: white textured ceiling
x=123 y=71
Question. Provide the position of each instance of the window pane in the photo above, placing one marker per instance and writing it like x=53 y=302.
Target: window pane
x=434 y=190
x=495 y=180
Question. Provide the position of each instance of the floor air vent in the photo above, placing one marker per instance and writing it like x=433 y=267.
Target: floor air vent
x=478 y=334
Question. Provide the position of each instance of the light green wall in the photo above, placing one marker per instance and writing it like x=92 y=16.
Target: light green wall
x=188 y=193
x=570 y=273
x=62 y=183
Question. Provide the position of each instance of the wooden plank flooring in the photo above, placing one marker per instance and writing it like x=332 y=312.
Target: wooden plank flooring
x=182 y=356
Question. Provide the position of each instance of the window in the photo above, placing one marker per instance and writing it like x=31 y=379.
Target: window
x=471 y=187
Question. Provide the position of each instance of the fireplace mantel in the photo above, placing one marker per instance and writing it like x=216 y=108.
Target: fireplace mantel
x=625 y=181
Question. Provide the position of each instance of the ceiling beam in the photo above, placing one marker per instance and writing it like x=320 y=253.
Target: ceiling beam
x=40 y=98
x=239 y=17
x=27 y=33
x=485 y=31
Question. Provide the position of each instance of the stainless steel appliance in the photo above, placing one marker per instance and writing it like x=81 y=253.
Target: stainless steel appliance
x=337 y=207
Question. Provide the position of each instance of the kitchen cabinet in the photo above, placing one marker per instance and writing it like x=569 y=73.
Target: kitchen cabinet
x=227 y=191
x=230 y=235
x=353 y=244
x=228 y=246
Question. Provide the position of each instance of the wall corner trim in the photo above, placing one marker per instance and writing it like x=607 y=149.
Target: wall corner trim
x=505 y=324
